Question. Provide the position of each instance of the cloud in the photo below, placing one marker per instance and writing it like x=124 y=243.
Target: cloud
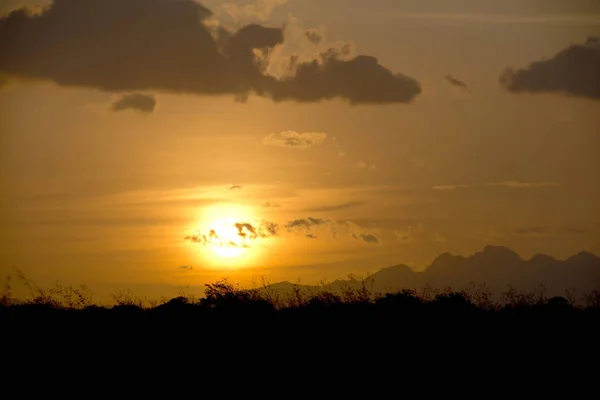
x=508 y=184
x=33 y=6
x=456 y=82
x=261 y=10
x=166 y=45
x=573 y=71
x=238 y=234
x=438 y=237
x=293 y=139
x=315 y=36
x=271 y=205
x=365 y=165
x=451 y=187
x=135 y=101
x=547 y=231
x=367 y=238
x=405 y=236
x=343 y=206
x=306 y=223
x=519 y=185
x=248 y=231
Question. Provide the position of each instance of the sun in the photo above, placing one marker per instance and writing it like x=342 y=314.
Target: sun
x=226 y=242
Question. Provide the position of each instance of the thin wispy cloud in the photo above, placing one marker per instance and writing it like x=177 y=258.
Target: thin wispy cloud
x=295 y=140
x=268 y=204
x=457 y=83
x=507 y=184
x=336 y=207
x=335 y=228
x=365 y=165
x=549 y=231
x=520 y=185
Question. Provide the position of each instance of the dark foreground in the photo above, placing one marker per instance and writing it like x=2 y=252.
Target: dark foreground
x=224 y=302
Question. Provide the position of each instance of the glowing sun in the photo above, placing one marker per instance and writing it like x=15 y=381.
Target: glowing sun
x=226 y=242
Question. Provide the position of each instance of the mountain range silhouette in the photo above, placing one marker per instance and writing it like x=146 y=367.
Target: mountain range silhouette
x=499 y=268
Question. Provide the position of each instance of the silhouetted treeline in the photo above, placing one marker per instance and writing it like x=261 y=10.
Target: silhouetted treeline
x=223 y=300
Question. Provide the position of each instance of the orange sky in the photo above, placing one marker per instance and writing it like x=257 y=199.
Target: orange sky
x=101 y=189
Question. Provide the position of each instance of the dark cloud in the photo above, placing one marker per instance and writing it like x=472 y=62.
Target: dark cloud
x=264 y=230
x=135 y=45
x=135 y=101
x=306 y=223
x=344 y=206
x=314 y=36
x=366 y=237
x=574 y=71
x=203 y=238
x=456 y=82
x=246 y=233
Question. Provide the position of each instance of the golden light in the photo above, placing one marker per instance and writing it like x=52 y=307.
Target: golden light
x=229 y=236
x=227 y=243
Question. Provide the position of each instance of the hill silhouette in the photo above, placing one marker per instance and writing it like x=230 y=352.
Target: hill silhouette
x=447 y=290
x=496 y=267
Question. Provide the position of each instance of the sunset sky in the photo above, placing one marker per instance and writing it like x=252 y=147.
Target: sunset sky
x=154 y=144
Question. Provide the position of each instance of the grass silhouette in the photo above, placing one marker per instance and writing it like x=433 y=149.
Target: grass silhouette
x=226 y=300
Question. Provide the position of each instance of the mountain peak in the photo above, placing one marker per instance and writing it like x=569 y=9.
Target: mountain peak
x=584 y=256
x=500 y=252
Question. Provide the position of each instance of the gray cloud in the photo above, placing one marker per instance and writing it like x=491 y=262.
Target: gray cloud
x=456 y=82
x=306 y=223
x=165 y=45
x=315 y=36
x=293 y=139
x=367 y=238
x=573 y=71
x=135 y=101
x=344 y=206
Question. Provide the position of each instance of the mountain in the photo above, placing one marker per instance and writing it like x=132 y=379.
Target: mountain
x=495 y=266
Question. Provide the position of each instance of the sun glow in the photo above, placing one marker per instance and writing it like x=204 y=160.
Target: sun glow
x=227 y=242
x=230 y=235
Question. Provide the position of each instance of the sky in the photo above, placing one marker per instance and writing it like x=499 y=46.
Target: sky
x=159 y=144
